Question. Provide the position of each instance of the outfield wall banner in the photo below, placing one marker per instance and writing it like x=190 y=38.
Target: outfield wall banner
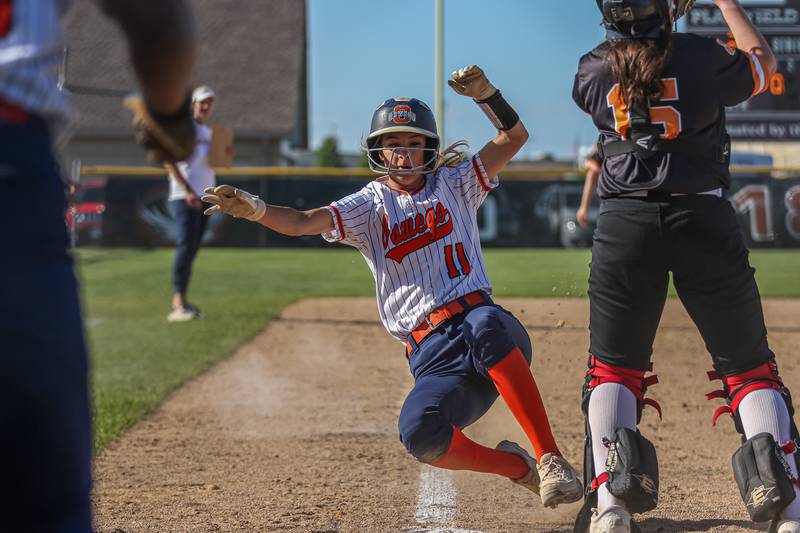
x=517 y=214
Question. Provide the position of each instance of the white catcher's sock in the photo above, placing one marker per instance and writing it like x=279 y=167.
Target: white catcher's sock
x=611 y=406
x=764 y=411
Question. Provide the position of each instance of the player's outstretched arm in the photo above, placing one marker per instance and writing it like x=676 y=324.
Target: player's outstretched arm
x=241 y=204
x=746 y=35
x=512 y=135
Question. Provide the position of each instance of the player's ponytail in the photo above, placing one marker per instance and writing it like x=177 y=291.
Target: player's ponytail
x=638 y=66
x=452 y=155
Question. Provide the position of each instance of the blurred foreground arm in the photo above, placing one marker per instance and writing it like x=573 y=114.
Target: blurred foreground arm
x=241 y=204
x=162 y=48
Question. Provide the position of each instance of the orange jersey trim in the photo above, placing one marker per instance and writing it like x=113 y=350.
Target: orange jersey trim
x=339 y=224
x=759 y=74
x=481 y=178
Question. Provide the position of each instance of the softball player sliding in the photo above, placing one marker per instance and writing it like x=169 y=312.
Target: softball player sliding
x=658 y=99
x=416 y=228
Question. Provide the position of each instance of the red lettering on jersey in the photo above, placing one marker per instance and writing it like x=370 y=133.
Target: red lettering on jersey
x=385 y=231
x=416 y=232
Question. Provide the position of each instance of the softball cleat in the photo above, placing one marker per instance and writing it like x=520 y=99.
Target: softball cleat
x=181 y=314
x=530 y=480
x=559 y=481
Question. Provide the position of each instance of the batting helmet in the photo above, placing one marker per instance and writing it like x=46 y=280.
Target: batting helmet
x=641 y=19
x=397 y=115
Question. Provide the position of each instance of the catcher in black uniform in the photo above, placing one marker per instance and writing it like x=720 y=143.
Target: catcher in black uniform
x=658 y=99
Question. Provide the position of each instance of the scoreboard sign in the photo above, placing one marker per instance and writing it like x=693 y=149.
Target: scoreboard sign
x=774 y=115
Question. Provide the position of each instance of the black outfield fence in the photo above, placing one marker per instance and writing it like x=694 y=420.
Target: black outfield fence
x=128 y=207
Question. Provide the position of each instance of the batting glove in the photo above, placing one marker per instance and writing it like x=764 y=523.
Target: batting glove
x=471 y=81
x=234 y=202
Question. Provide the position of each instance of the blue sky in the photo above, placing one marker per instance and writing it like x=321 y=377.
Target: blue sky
x=364 y=51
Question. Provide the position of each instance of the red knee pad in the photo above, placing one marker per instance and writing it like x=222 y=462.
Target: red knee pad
x=634 y=380
x=736 y=387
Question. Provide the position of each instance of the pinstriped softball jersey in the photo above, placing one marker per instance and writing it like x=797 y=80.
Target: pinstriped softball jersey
x=423 y=248
x=31 y=51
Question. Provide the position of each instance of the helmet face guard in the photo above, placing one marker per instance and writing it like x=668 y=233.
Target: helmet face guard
x=402 y=115
x=377 y=160
x=639 y=19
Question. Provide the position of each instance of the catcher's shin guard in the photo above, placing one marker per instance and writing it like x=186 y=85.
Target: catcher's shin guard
x=760 y=469
x=763 y=477
x=637 y=383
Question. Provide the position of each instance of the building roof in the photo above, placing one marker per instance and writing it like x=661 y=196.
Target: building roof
x=253 y=58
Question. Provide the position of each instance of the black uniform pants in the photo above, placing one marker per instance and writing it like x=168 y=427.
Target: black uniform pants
x=637 y=243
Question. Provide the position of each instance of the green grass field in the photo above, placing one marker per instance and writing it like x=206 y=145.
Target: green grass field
x=138 y=358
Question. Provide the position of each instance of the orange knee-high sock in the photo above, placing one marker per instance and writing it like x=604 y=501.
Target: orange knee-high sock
x=515 y=383
x=466 y=454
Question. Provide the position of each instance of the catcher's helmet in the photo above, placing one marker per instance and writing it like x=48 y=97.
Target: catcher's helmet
x=402 y=115
x=640 y=19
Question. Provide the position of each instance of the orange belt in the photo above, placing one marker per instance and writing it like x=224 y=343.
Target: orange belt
x=12 y=113
x=445 y=312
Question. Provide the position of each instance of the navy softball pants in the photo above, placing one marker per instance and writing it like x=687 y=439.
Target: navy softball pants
x=191 y=224
x=45 y=448
x=452 y=385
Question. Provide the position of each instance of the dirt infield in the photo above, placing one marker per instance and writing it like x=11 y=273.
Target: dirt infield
x=297 y=432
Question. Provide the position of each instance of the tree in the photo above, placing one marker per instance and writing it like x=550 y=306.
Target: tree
x=328 y=153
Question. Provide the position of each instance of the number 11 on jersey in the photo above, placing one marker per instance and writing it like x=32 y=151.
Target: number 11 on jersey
x=452 y=270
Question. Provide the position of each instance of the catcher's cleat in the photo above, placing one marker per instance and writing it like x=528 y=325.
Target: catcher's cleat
x=182 y=314
x=613 y=519
x=559 y=481
x=531 y=480
x=788 y=526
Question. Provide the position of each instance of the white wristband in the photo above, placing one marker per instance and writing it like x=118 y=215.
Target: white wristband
x=261 y=208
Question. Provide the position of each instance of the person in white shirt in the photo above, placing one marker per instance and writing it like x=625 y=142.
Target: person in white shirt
x=417 y=228
x=187 y=180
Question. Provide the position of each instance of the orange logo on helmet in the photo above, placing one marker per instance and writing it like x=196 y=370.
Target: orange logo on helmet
x=402 y=114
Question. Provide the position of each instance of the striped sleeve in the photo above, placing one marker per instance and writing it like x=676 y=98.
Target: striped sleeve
x=31 y=51
x=351 y=218
x=470 y=180
x=737 y=75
